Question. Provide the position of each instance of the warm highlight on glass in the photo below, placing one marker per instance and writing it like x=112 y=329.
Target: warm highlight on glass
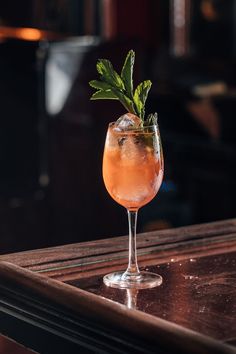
x=133 y=173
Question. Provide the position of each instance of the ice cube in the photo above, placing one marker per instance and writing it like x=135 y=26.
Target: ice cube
x=128 y=121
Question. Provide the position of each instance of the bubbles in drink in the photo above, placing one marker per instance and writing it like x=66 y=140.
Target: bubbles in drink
x=131 y=153
x=134 y=195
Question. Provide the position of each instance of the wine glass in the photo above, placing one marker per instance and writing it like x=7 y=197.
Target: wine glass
x=133 y=171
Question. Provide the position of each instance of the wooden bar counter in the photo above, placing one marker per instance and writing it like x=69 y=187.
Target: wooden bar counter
x=53 y=300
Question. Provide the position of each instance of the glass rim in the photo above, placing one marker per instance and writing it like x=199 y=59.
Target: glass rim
x=120 y=130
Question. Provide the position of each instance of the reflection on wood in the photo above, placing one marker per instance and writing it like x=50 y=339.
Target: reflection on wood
x=7 y=346
x=197 y=293
x=110 y=313
x=195 y=305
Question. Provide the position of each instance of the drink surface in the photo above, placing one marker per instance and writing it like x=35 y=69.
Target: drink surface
x=132 y=166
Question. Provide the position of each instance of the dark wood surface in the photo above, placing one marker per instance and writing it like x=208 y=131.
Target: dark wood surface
x=194 y=310
x=9 y=346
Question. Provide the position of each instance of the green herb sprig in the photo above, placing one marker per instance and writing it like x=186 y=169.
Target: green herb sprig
x=113 y=86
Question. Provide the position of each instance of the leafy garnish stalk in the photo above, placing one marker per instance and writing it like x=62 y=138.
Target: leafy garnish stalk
x=113 y=86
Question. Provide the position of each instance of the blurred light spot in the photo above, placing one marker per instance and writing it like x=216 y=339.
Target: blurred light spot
x=29 y=34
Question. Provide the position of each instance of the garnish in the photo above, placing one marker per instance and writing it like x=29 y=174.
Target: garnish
x=113 y=86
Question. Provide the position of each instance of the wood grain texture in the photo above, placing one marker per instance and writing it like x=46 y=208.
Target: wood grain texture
x=111 y=313
x=195 y=306
x=114 y=249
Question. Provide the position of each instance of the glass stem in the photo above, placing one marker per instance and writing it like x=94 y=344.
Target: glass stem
x=132 y=269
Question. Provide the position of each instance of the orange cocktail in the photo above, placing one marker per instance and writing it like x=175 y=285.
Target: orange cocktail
x=132 y=166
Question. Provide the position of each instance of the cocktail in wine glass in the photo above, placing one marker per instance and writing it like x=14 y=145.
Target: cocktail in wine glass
x=132 y=161
x=132 y=173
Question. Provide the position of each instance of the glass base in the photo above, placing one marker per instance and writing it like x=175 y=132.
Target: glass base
x=143 y=280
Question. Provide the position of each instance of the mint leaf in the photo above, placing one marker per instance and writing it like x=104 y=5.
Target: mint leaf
x=127 y=73
x=126 y=101
x=151 y=119
x=140 y=97
x=100 y=85
x=106 y=95
x=113 y=86
x=108 y=74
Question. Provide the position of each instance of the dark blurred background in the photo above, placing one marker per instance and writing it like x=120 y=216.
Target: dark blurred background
x=52 y=136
